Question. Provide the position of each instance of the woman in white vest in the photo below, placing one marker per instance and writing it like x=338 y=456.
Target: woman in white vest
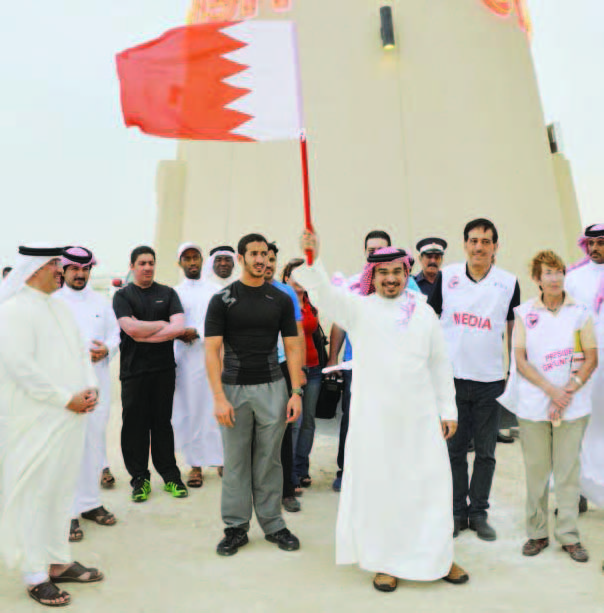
x=555 y=354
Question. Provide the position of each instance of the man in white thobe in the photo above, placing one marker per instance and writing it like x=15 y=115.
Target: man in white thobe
x=221 y=268
x=101 y=333
x=196 y=430
x=585 y=283
x=47 y=388
x=394 y=517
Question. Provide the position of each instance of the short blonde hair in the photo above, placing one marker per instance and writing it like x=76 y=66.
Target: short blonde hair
x=547 y=258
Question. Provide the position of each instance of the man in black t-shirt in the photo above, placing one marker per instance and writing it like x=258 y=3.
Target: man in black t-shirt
x=250 y=396
x=150 y=317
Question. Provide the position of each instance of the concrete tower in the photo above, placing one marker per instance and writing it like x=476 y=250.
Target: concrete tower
x=417 y=140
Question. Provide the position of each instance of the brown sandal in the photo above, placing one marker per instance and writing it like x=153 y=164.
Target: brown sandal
x=385 y=583
x=49 y=592
x=107 y=479
x=76 y=533
x=457 y=575
x=195 y=479
x=100 y=516
x=75 y=572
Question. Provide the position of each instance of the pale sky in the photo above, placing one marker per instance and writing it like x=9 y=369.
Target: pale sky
x=72 y=173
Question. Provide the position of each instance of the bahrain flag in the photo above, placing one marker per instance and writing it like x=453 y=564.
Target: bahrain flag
x=230 y=81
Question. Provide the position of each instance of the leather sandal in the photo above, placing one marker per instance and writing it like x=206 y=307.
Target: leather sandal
x=384 y=583
x=48 y=593
x=195 y=479
x=457 y=575
x=100 y=516
x=75 y=573
x=76 y=534
x=107 y=479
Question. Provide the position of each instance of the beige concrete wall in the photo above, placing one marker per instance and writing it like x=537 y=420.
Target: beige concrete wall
x=418 y=140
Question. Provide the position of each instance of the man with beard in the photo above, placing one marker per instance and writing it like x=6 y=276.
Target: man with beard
x=431 y=254
x=220 y=269
x=394 y=517
x=196 y=431
x=585 y=283
x=475 y=301
x=101 y=332
x=250 y=396
x=47 y=386
x=151 y=317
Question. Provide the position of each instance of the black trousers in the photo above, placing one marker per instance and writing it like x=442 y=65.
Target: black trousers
x=147 y=414
x=287 y=446
x=478 y=417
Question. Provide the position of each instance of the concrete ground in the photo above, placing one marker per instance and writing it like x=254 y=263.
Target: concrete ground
x=160 y=557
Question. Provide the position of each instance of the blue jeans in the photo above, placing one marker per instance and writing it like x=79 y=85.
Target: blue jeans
x=478 y=417
x=347 y=374
x=303 y=432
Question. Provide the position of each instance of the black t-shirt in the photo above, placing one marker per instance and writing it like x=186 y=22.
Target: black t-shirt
x=249 y=319
x=154 y=303
x=435 y=299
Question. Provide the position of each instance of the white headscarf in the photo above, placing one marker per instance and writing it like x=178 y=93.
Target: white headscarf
x=25 y=266
x=209 y=275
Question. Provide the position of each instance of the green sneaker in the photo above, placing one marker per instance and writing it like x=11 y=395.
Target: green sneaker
x=141 y=490
x=177 y=488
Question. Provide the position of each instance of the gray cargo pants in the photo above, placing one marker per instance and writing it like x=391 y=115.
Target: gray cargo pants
x=252 y=456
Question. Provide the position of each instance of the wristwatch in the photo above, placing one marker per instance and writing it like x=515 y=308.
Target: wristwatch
x=298 y=390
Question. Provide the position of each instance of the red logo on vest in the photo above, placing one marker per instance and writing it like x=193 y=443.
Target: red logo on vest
x=532 y=319
x=472 y=321
x=454 y=282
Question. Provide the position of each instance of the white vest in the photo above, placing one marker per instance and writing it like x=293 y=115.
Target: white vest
x=551 y=349
x=474 y=319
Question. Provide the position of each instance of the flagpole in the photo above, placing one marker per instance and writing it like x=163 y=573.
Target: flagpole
x=305 y=177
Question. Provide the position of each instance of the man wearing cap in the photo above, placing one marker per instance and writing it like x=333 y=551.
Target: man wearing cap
x=585 y=283
x=47 y=386
x=220 y=269
x=196 y=431
x=431 y=254
x=394 y=517
x=101 y=332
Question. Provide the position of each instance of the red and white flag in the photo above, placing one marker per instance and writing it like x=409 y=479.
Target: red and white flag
x=233 y=81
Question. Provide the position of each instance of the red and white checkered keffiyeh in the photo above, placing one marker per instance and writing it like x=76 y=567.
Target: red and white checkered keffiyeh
x=594 y=231
x=366 y=286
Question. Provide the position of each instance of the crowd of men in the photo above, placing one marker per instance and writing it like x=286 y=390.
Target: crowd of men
x=424 y=365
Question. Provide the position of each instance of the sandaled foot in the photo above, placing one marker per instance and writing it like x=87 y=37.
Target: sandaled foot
x=49 y=595
x=107 y=479
x=384 y=583
x=457 y=575
x=101 y=516
x=195 y=477
x=306 y=481
x=76 y=573
x=298 y=491
x=76 y=533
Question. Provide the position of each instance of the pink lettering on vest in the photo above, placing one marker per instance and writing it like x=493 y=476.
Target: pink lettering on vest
x=472 y=321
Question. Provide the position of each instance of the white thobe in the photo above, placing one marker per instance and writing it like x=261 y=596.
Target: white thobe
x=97 y=322
x=43 y=363
x=196 y=430
x=395 y=506
x=582 y=284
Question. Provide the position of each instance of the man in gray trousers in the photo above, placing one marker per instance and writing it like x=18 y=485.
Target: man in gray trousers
x=250 y=396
